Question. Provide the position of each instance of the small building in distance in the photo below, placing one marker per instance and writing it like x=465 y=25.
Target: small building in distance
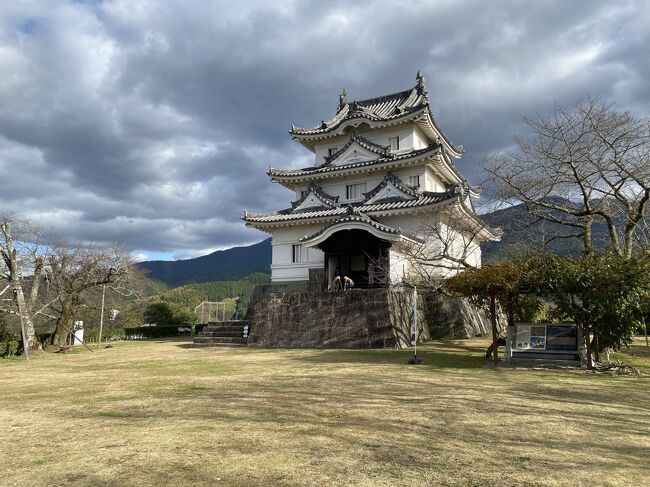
x=383 y=199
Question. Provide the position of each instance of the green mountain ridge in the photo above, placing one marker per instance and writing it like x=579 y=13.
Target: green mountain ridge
x=223 y=265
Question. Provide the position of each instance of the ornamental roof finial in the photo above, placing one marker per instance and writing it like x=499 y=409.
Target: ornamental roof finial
x=343 y=99
x=422 y=89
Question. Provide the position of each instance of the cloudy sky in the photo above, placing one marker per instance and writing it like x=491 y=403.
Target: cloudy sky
x=153 y=122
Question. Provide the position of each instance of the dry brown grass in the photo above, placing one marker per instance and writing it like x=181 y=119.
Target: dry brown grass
x=161 y=413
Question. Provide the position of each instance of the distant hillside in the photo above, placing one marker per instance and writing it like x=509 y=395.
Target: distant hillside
x=188 y=297
x=222 y=265
x=522 y=232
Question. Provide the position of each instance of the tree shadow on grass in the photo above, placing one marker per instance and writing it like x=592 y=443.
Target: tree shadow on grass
x=430 y=359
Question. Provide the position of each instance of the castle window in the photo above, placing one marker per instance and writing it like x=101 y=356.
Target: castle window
x=299 y=253
x=394 y=143
x=332 y=150
x=414 y=180
x=355 y=191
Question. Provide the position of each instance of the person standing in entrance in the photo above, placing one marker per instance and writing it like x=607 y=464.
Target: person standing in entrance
x=371 y=274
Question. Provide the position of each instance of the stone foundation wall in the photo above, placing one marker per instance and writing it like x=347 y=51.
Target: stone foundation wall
x=373 y=318
x=290 y=317
x=457 y=318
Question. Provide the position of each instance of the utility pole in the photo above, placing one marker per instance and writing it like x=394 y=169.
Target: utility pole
x=101 y=317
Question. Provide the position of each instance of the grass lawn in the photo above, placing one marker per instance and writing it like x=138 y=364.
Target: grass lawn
x=161 y=413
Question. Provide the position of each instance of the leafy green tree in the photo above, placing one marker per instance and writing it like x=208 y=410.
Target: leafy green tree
x=605 y=294
x=499 y=283
x=165 y=314
x=159 y=314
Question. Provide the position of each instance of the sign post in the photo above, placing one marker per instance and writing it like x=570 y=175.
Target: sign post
x=414 y=330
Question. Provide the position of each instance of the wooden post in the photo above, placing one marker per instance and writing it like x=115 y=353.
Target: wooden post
x=495 y=337
x=596 y=345
x=645 y=327
x=587 y=337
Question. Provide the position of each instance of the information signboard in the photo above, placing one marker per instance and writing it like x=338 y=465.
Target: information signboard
x=546 y=337
x=562 y=337
x=523 y=337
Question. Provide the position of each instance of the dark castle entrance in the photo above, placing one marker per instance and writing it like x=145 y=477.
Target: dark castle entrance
x=354 y=252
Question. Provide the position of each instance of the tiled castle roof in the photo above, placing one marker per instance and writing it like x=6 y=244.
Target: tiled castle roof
x=328 y=201
x=395 y=181
x=287 y=215
x=383 y=151
x=309 y=171
x=385 y=107
x=388 y=108
x=354 y=215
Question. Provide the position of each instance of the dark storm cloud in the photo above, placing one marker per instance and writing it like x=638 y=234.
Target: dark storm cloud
x=153 y=122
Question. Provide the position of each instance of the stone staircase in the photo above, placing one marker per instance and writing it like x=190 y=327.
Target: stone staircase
x=232 y=333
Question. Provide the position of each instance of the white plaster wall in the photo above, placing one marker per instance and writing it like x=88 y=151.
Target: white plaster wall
x=433 y=182
x=420 y=140
x=282 y=267
x=417 y=225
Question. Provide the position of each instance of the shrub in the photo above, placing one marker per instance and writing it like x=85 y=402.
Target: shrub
x=12 y=347
x=151 y=332
x=9 y=345
x=165 y=314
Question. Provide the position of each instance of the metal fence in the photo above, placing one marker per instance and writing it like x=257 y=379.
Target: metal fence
x=209 y=311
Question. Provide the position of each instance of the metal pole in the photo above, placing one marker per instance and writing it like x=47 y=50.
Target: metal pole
x=415 y=321
x=101 y=317
x=414 y=329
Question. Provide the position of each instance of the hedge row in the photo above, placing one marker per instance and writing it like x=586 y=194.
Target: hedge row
x=138 y=332
x=108 y=334
x=153 y=332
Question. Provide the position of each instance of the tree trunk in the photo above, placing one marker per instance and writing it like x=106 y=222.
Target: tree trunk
x=19 y=297
x=62 y=330
x=30 y=334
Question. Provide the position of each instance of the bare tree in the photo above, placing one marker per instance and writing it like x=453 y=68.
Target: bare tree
x=448 y=244
x=39 y=277
x=74 y=271
x=585 y=164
